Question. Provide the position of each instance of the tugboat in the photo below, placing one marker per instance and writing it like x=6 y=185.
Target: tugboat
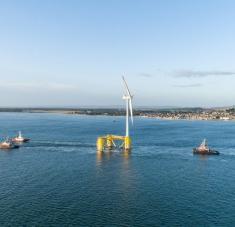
x=204 y=149
x=19 y=138
x=8 y=144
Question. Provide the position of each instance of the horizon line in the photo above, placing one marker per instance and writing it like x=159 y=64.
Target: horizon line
x=114 y=107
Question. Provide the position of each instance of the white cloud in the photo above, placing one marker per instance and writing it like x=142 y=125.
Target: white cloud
x=188 y=85
x=195 y=73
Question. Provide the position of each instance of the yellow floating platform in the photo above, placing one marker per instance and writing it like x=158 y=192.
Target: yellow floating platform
x=108 y=142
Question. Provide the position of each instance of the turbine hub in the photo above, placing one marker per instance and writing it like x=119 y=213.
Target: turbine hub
x=126 y=97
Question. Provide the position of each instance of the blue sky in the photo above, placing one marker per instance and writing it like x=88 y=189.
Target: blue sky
x=73 y=53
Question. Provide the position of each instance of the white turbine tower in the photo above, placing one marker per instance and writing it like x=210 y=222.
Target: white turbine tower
x=128 y=98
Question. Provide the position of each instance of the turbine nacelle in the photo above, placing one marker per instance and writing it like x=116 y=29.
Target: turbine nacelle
x=126 y=97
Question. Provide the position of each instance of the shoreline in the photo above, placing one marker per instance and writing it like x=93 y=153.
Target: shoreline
x=170 y=114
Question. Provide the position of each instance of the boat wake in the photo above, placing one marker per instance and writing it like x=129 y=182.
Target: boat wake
x=59 y=144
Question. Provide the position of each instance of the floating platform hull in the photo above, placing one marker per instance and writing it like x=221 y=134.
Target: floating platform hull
x=108 y=142
x=205 y=152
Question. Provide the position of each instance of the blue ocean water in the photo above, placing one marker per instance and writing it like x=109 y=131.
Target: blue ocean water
x=58 y=179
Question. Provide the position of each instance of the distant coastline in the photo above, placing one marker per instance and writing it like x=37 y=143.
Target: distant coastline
x=166 y=113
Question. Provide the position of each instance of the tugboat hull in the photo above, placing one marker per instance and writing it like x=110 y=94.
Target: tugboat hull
x=9 y=147
x=16 y=140
x=205 y=152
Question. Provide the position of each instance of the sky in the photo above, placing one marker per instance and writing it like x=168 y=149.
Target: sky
x=73 y=53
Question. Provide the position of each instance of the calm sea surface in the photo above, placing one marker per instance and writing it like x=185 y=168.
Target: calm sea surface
x=58 y=179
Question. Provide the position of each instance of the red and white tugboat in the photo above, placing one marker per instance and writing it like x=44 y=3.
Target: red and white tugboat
x=204 y=149
x=20 y=138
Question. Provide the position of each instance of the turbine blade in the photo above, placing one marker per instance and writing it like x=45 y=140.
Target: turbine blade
x=127 y=89
x=131 y=109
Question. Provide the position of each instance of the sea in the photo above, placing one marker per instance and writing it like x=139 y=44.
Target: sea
x=59 y=179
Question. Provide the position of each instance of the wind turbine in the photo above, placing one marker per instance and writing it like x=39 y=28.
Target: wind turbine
x=128 y=98
x=107 y=141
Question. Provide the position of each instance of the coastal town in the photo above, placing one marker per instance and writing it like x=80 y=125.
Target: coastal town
x=169 y=114
x=198 y=114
